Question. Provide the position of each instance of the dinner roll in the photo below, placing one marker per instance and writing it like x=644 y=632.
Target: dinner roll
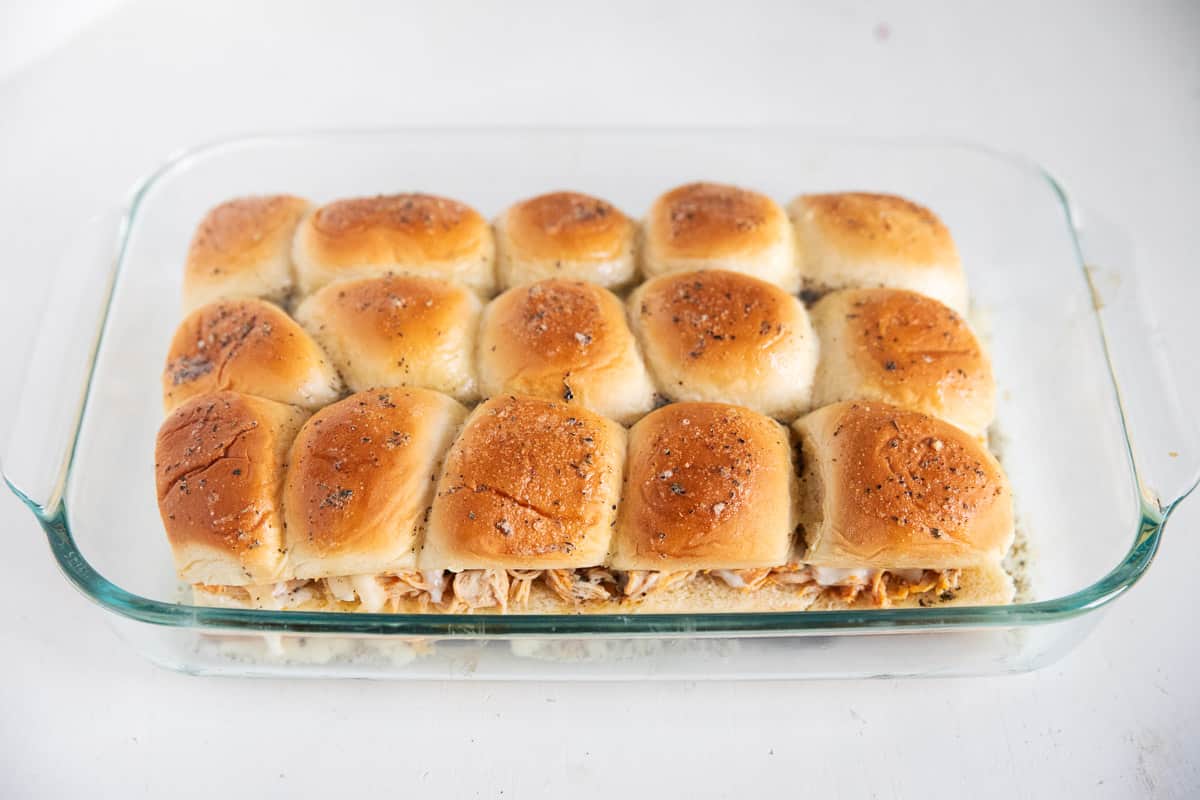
x=902 y=348
x=713 y=226
x=219 y=467
x=249 y=346
x=565 y=235
x=723 y=336
x=360 y=480
x=887 y=488
x=403 y=234
x=243 y=248
x=529 y=484
x=398 y=330
x=854 y=239
x=708 y=486
x=564 y=340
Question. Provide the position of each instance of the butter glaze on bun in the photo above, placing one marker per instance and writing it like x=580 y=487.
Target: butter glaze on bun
x=899 y=347
x=715 y=226
x=564 y=340
x=727 y=337
x=248 y=346
x=398 y=330
x=360 y=480
x=219 y=467
x=854 y=239
x=402 y=234
x=887 y=488
x=565 y=235
x=528 y=484
x=243 y=248
x=708 y=486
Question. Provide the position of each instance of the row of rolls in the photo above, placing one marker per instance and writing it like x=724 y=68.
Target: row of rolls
x=377 y=301
x=841 y=315
x=402 y=500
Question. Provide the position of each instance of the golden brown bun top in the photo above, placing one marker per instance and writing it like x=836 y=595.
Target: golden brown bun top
x=243 y=231
x=714 y=317
x=250 y=346
x=557 y=322
x=907 y=482
x=864 y=225
x=393 y=306
x=397 y=228
x=707 y=220
x=568 y=226
x=906 y=339
x=218 y=470
x=525 y=479
x=703 y=475
x=346 y=459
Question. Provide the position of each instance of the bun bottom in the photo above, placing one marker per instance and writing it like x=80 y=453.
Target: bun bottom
x=977 y=586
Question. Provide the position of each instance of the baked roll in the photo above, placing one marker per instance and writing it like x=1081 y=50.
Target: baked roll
x=714 y=226
x=727 y=337
x=564 y=340
x=565 y=235
x=902 y=348
x=360 y=481
x=887 y=488
x=853 y=239
x=398 y=330
x=528 y=484
x=708 y=486
x=402 y=234
x=249 y=346
x=219 y=467
x=243 y=248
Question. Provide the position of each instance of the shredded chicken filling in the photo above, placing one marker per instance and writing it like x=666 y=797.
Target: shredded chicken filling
x=500 y=589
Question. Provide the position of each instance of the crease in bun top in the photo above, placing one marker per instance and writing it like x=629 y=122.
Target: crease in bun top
x=249 y=346
x=716 y=226
x=856 y=239
x=243 y=248
x=564 y=340
x=565 y=235
x=887 y=488
x=219 y=460
x=409 y=234
x=722 y=336
x=398 y=330
x=899 y=347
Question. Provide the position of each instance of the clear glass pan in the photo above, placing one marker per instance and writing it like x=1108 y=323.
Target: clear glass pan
x=1054 y=293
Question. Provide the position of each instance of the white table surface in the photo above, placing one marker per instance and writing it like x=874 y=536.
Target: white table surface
x=1107 y=95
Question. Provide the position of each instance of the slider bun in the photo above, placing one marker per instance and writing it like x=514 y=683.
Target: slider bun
x=361 y=478
x=398 y=330
x=243 y=248
x=713 y=226
x=219 y=468
x=249 y=346
x=564 y=340
x=723 y=336
x=529 y=484
x=854 y=239
x=565 y=235
x=404 y=234
x=884 y=488
x=708 y=486
x=899 y=347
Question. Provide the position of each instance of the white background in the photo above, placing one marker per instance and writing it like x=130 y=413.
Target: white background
x=1106 y=95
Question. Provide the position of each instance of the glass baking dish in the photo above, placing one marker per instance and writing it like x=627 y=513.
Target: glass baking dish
x=1054 y=293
